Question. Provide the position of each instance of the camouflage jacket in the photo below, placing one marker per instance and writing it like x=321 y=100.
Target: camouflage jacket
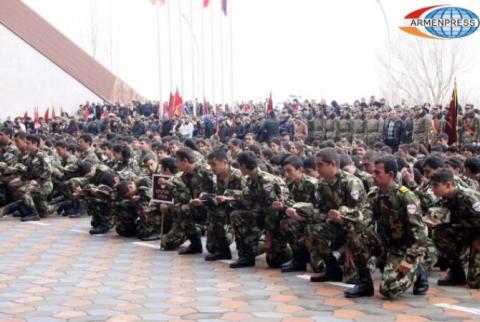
x=464 y=207
x=397 y=218
x=345 y=194
x=38 y=168
x=261 y=191
x=10 y=154
x=88 y=155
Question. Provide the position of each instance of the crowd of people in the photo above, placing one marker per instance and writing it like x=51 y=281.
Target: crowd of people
x=343 y=189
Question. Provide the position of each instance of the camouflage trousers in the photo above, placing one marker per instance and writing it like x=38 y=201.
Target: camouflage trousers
x=453 y=241
x=149 y=223
x=35 y=196
x=174 y=236
x=248 y=227
x=218 y=231
x=369 y=244
x=125 y=219
x=294 y=233
x=100 y=211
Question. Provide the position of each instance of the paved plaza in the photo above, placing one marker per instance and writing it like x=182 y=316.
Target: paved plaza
x=54 y=270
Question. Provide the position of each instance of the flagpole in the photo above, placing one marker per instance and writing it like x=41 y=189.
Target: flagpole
x=203 y=53
x=159 y=58
x=212 y=40
x=170 y=56
x=231 y=55
x=222 y=71
x=193 y=61
x=180 y=38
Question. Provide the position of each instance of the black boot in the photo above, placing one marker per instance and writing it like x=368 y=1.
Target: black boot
x=223 y=251
x=455 y=276
x=99 y=230
x=298 y=262
x=151 y=237
x=243 y=262
x=364 y=287
x=333 y=272
x=28 y=214
x=420 y=287
x=195 y=246
x=11 y=207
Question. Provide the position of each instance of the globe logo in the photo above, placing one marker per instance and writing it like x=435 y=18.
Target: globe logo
x=440 y=22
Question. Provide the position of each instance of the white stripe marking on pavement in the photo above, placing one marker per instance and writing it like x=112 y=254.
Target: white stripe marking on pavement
x=38 y=223
x=143 y=244
x=226 y=261
x=79 y=231
x=459 y=308
x=345 y=285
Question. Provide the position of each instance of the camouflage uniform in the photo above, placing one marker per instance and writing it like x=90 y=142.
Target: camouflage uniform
x=259 y=194
x=219 y=214
x=438 y=127
x=345 y=194
x=422 y=129
x=397 y=233
x=344 y=129
x=318 y=130
x=294 y=230
x=201 y=180
x=373 y=130
x=8 y=158
x=34 y=196
x=99 y=205
x=331 y=128
x=367 y=179
x=454 y=237
x=358 y=128
x=175 y=236
x=469 y=129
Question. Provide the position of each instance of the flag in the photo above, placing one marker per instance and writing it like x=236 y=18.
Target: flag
x=451 y=124
x=25 y=116
x=53 y=113
x=270 y=104
x=224 y=7
x=206 y=110
x=45 y=116
x=206 y=3
x=177 y=104
x=155 y=2
x=61 y=111
x=36 y=125
x=169 y=110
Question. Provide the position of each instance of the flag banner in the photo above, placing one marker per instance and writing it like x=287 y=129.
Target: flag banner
x=270 y=104
x=451 y=124
x=224 y=7
x=206 y=3
x=155 y=2
x=46 y=115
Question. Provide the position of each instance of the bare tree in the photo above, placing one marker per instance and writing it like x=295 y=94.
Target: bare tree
x=421 y=70
x=93 y=28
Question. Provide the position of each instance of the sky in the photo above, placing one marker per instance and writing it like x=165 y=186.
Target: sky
x=308 y=48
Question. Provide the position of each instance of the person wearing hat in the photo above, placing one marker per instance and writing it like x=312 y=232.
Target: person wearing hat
x=438 y=123
x=358 y=125
x=373 y=127
x=469 y=126
x=422 y=126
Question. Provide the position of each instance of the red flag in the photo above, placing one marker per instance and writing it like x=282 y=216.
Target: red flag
x=25 y=115
x=224 y=7
x=451 y=124
x=61 y=111
x=45 y=116
x=206 y=110
x=177 y=104
x=206 y=3
x=270 y=104
x=155 y=2
x=35 y=120
x=53 y=113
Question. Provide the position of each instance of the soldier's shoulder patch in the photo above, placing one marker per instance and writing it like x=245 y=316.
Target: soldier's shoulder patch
x=411 y=209
x=268 y=186
x=403 y=189
x=476 y=206
x=355 y=194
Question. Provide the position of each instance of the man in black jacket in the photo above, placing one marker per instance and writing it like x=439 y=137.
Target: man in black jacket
x=393 y=130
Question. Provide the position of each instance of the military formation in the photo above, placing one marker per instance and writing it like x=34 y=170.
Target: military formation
x=337 y=189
